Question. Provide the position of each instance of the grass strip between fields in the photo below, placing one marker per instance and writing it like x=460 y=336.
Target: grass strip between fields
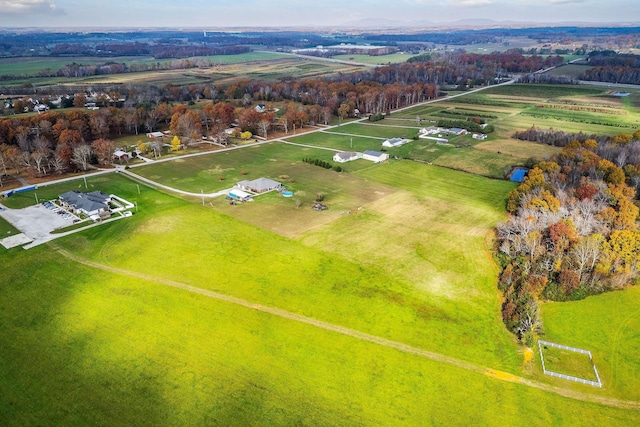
x=492 y=373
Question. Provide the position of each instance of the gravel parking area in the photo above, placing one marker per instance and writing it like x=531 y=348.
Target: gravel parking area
x=36 y=222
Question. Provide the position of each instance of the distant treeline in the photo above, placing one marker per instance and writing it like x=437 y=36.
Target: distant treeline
x=609 y=66
x=158 y=51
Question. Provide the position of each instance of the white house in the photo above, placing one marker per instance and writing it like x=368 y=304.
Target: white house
x=375 y=156
x=395 y=142
x=479 y=136
x=346 y=156
x=155 y=135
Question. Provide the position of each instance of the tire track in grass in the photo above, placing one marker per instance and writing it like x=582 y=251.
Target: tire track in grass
x=405 y=348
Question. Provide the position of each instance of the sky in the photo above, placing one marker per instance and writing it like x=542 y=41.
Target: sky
x=292 y=13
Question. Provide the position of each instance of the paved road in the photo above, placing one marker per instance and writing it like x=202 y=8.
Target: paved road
x=405 y=348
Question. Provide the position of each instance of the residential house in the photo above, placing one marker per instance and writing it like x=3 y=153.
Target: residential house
x=260 y=185
x=346 y=156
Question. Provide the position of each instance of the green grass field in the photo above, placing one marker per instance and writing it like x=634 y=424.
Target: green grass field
x=87 y=346
x=568 y=363
x=609 y=326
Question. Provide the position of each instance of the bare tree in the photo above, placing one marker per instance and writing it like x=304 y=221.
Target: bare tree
x=81 y=156
x=40 y=158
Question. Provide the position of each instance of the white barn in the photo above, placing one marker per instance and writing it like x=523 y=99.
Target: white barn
x=375 y=156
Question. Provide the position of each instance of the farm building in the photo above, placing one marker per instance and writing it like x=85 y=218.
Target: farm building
x=260 y=185
x=239 y=195
x=375 y=156
x=121 y=155
x=479 y=136
x=346 y=156
x=94 y=203
x=458 y=131
x=395 y=142
x=155 y=135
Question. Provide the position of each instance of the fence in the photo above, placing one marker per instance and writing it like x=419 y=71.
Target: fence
x=569 y=377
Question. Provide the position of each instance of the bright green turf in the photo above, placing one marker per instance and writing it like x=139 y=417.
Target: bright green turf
x=83 y=347
x=607 y=325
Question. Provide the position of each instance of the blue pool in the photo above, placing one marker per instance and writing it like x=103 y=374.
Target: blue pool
x=518 y=175
x=287 y=193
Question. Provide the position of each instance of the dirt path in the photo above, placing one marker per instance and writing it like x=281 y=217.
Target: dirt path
x=405 y=348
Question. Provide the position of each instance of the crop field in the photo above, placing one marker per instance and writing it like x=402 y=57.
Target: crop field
x=571 y=70
x=393 y=58
x=517 y=107
x=32 y=66
x=226 y=68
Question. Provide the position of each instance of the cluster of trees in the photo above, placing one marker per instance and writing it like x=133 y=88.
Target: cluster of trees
x=471 y=124
x=322 y=164
x=573 y=230
x=609 y=66
x=553 y=137
x=157 y=50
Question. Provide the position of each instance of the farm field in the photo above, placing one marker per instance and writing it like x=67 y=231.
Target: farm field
x=124 y=349
x=263 y=65
x=573 y=108
x=32 y=66
x=393 y=58
x=492 y=157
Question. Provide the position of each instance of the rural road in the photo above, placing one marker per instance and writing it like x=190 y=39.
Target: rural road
x=405 y=348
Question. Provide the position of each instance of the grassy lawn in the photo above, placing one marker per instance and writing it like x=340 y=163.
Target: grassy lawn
x=568 y=363
x=6 y=230
x=203 y=172
x=607 y=325
x=85 y=347
x=492 y=157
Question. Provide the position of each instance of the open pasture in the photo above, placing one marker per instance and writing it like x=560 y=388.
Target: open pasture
x=248 y=262
x=198 y=173
x=461 y=153
x=607 y=325
x=92 y=347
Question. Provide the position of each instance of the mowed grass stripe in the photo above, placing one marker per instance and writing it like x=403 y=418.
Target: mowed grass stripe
x=492 y=373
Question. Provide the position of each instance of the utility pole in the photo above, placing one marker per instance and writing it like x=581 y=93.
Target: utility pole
x=202 y=192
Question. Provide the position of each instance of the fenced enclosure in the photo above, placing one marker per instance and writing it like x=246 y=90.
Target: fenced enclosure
x=597 y=383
